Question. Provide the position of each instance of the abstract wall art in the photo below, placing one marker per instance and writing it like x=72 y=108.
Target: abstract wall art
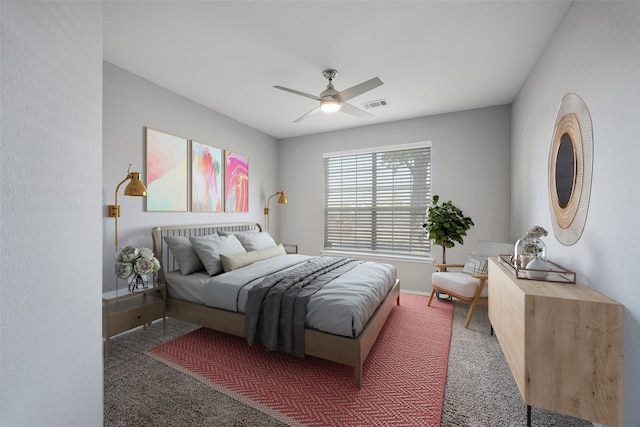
x=236 y=183
x=206 y=178
x=167 y=168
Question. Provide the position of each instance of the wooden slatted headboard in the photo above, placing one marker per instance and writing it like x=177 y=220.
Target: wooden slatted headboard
x=164 y=255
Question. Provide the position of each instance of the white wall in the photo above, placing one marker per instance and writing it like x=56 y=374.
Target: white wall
x=130 y=104
x=50 y=258
x=470 y=154
x=595 y=54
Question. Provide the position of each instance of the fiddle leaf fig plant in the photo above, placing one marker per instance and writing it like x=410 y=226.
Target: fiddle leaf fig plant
x=446 y=225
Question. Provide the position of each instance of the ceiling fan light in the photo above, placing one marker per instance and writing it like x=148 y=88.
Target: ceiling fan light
x=330 y=106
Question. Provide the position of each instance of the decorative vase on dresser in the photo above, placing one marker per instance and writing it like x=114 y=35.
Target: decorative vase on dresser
x=538 y=268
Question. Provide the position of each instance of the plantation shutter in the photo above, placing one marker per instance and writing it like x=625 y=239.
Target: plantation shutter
x=376 y=200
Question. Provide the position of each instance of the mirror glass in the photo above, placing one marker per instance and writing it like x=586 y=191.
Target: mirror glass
x=565 y=170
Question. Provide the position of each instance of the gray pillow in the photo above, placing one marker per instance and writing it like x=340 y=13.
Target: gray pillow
x=476 y=265
x=184 y=254
x=209 y=249
x=253 y=240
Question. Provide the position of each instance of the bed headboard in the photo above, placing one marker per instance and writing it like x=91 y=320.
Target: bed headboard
x=164 y=255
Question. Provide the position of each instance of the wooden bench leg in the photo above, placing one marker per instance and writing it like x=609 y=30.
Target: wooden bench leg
x=475 y=300
x=472 y=309
x=433 y=291
x=470 y=315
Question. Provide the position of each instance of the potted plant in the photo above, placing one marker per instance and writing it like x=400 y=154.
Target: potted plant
x=446 y=225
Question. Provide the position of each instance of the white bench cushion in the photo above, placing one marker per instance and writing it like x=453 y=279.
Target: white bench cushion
x=462 y=284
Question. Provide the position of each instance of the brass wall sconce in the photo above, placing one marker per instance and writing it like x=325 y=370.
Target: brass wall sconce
x=134 y=188
x=282 y=200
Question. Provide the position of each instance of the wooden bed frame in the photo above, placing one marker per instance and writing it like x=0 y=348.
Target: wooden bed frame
x=348 y=351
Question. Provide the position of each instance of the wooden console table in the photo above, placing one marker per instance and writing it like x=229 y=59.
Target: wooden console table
x=563 y=343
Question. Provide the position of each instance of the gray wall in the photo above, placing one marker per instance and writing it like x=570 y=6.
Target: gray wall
x=595 y=54
x=51 y=110
x=130 y=104
x=470 y=154
x=50 y=254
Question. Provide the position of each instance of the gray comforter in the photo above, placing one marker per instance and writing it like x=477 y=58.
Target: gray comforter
x=277 y=307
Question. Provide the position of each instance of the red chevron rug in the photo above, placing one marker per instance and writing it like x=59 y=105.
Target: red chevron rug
x=403 y=382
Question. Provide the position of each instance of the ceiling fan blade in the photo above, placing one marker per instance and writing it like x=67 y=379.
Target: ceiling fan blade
x=350 y=109
x=297 y=92
x=359 y=89
x=310 y=113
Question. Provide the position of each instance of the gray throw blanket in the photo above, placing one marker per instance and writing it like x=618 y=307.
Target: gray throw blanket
x=277 y=308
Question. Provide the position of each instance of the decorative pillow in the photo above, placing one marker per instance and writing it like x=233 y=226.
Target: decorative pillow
x=233 y=262
x=209 y=249
x=184 y=254
x=253 y=240
x=476 y=265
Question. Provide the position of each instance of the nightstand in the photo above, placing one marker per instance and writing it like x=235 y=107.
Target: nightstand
x=123 y=310
x=290 y=248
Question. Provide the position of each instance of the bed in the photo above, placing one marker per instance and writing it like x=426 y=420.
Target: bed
x=199 y=305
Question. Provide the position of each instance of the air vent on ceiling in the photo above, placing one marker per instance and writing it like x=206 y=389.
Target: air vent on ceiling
x=375 y=104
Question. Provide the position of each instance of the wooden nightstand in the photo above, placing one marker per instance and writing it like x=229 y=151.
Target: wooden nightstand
x=290 y=248
x=123 y=310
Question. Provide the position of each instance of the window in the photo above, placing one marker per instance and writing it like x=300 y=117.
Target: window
x=376 y=200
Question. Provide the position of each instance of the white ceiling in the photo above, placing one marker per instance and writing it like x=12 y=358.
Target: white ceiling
x=433 y=56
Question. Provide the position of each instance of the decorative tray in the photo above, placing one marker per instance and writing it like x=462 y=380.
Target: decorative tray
x=555 y=274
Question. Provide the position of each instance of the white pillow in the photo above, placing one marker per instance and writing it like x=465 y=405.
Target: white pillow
x=233 y=262
x=253 y=240
x=184 y=254
x=209 y=249
x=476 y=265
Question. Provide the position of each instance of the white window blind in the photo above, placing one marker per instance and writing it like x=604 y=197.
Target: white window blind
x=376 y=201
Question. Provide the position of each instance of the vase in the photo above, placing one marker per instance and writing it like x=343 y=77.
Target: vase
x=138 y=283
x=534 y=267
x=527 y=249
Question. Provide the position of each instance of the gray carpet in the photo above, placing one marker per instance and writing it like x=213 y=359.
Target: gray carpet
x=140 y=391
x=480 y=389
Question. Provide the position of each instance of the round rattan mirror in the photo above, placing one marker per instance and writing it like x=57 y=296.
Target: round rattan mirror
x=570 y=168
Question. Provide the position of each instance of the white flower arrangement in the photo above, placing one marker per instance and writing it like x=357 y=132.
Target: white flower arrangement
x=536 y=232
x=532 y=241
x=130 y=260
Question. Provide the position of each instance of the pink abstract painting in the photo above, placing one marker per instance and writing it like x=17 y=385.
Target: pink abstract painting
x=167 y=166
x=236 y=182
x=206 y=178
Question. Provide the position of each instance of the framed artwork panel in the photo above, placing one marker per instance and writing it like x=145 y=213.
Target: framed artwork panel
x=206 y=178
x=167 y=172
x=236 y=182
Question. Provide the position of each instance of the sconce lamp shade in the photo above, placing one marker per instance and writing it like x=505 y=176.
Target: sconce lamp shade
x=134 y=188
x=282 y=200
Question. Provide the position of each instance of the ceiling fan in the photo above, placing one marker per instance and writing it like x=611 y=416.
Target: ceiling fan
x=332 y=101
